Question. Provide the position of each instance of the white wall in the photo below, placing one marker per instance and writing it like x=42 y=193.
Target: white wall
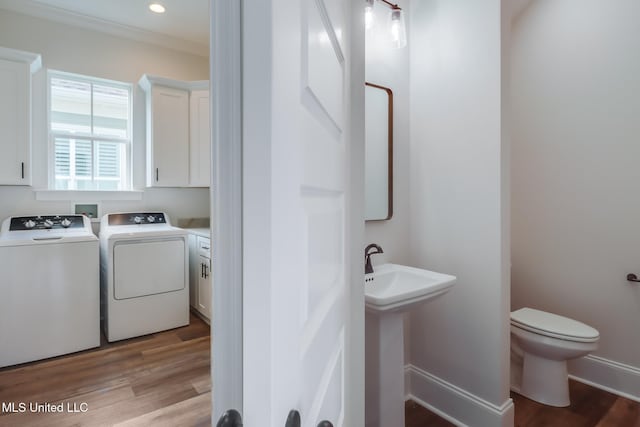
x=576 y=171
x=76 y=50
x=459 y=208
x=389 y=67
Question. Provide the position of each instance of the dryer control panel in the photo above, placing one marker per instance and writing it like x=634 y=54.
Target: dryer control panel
x=137 y=218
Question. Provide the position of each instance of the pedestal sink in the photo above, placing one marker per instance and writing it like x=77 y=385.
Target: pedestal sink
x=390 y=291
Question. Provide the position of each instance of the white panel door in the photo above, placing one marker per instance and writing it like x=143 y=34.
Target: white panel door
x=296 y=256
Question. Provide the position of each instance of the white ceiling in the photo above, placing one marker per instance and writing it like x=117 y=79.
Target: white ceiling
x=184 y=25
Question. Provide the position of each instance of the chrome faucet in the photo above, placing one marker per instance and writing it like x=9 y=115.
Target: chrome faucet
x=368 y=268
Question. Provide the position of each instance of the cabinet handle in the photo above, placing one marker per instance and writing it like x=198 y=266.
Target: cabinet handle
x=206 y=274
x=157 y=174
x=22 y=166
x=201 y=269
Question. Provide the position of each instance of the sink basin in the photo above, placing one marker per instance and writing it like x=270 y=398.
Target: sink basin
x=398 y=288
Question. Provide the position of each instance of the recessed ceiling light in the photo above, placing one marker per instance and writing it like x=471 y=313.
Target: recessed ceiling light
x=157 y=8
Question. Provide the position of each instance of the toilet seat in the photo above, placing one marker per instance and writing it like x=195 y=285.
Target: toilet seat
x=552 y=325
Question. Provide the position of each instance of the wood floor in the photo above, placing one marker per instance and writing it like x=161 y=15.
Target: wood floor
x=157 y=380
x=590 y=407
x=164 y=380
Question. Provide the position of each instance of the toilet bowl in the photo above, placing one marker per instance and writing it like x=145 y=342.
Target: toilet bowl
x=545 y=342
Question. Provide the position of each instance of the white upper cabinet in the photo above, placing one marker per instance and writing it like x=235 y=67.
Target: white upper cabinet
x=16 y=68
x=200 y=139
x=178 y=147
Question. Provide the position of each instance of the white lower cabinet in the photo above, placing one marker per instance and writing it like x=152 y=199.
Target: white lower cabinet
x=200 y=274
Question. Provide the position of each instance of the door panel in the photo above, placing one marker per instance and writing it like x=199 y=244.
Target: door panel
x=14 y=122
x=324 y=62
x=148 y=267
x=321 y=195
x=303 y=261
x=170 y=135
x=204 y=286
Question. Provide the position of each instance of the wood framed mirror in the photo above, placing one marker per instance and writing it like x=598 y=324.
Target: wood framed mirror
x=378 y=152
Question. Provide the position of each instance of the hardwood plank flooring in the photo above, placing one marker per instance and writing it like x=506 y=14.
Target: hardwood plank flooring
x=415 y=415
x=164 y=379
x=161 y=379
x=590 y=407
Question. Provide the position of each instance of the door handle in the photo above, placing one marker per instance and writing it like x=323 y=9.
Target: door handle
x=231 y=418
x=293 y=420
x=632 y=278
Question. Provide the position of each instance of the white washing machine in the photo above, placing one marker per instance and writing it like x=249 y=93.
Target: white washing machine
x=144 y=274
x=49 y=280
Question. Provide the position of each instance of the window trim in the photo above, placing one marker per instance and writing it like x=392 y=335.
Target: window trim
x=52 y=135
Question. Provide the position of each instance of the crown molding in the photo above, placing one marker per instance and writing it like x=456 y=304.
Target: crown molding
x=33 y=59
x=64 y=16
x=148 y=80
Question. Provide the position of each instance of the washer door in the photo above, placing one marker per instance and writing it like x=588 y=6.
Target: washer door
x=148 y=267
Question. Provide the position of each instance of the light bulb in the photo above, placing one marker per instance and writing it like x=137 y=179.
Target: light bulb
x=397 y=28
x=157 y=8
x=368 y=14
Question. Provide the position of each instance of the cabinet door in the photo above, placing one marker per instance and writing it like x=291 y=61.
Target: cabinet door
x=200 y=138
x=15 y=123
x=168 y=143
x=204 y=287
x=194 y=271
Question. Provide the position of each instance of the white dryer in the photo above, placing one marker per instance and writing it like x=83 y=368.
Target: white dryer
x=49 y=280
x=144 y=276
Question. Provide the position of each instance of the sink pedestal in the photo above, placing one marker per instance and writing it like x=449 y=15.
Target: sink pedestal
x=384 y=369
x=389 y=292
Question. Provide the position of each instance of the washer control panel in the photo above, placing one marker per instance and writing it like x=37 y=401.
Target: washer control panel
x=46 y=222
x=138 y=218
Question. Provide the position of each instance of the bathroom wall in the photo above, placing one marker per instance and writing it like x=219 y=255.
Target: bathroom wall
x=76 y=50
x=389 y=67
x=459 y=209
x=575 y=175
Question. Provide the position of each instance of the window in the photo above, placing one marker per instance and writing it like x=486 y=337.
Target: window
x=89 y=133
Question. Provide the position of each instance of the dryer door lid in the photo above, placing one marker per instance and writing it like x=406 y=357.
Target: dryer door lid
x=552 y=324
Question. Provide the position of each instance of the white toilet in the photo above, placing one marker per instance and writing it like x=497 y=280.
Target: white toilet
x=542 y=343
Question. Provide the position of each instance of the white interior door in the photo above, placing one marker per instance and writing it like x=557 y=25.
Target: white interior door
x=296 y=211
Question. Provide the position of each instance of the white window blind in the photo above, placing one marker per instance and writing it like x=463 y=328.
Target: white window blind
x=90 y=133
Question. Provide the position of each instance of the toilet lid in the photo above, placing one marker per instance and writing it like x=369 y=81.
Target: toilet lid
x=553 y=325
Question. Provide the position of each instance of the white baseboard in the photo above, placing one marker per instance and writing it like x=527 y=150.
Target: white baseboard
x=454 y=404
x=608 y=375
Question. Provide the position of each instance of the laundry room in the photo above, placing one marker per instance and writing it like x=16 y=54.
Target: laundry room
x=105 y=244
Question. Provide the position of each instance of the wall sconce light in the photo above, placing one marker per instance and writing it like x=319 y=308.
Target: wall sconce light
x=397 y=29
x=368 y=14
